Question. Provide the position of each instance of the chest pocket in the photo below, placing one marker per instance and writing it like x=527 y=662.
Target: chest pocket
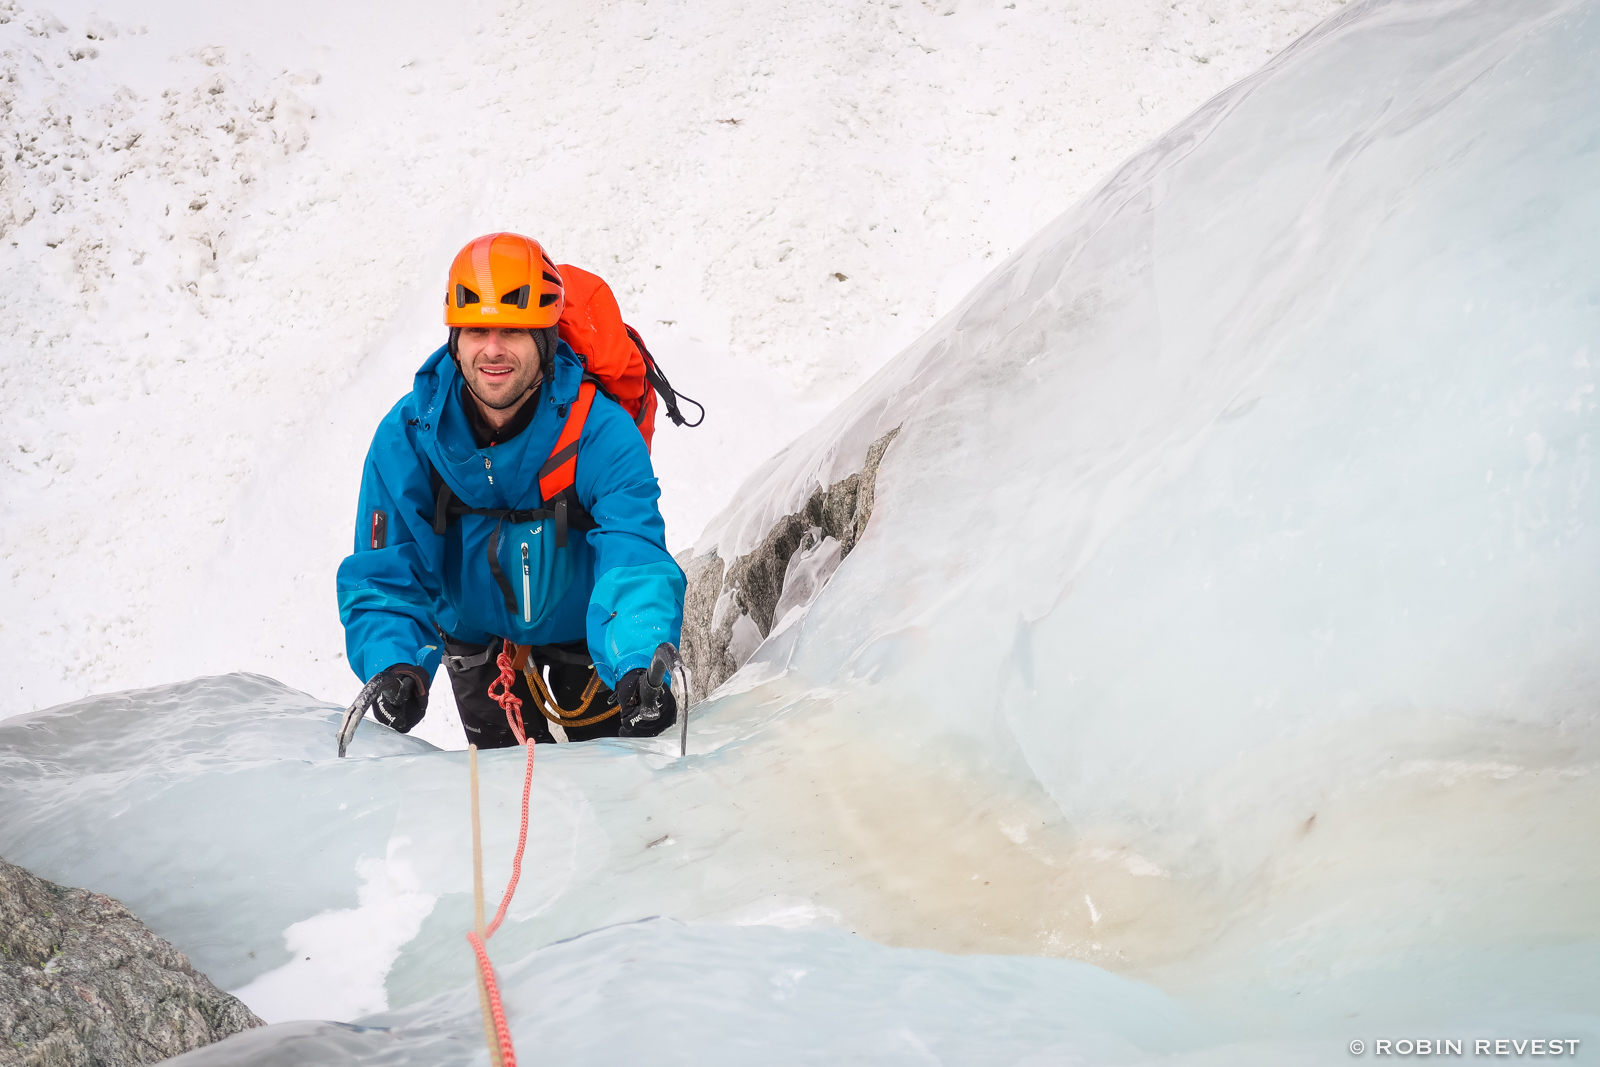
x=529 y=561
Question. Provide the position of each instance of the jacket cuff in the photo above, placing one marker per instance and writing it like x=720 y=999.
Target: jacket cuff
x=379 y=656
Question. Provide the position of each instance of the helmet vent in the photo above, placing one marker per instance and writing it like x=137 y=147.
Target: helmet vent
x=546 y=299
x=518 y=297
x=465 y=296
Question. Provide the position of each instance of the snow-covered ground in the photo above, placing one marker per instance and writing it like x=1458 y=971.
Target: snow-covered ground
x=223 y=229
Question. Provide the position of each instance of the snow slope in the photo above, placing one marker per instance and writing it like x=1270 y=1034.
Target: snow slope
x=1272 y=698
x=223 y=228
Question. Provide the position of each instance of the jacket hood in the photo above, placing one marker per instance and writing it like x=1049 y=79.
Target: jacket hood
x=436 y=405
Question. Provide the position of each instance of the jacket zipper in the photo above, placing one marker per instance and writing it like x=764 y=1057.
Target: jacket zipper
x=527 y=605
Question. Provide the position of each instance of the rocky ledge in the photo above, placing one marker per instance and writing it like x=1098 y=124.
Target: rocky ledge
x=730 y=608
x=83 y=983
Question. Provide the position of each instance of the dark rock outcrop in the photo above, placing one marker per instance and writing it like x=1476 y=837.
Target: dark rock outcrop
x=83 y=983
x=719 y=595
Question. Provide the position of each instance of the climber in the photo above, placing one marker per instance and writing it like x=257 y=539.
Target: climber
x=508 y=502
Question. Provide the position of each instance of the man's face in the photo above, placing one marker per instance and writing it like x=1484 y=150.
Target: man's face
x=500 y=366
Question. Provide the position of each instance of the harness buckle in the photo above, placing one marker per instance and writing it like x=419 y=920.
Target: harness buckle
x=465 y=663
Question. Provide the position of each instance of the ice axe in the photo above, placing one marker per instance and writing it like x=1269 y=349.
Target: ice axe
x=391 y=696
x=358 y=710
x=653 y=686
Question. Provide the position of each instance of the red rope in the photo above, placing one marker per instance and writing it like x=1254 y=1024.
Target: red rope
x=508 y=1055
x=522 y=845
x=512 y=705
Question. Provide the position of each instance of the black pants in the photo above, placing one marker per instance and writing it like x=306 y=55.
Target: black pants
x=473 y=668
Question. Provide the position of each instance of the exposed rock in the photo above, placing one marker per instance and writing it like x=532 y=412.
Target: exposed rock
x=729 y=608
x=83 y=983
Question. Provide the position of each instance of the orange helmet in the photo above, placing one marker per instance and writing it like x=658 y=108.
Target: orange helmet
x=505 y=280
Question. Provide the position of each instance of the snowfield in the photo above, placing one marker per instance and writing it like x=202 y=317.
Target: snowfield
x=223 y=229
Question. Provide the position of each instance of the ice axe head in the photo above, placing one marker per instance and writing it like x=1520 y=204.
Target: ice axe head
x=651 y=688
x=358 y=709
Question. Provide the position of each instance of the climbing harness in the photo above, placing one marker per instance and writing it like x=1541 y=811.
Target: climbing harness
x=526 y=657
x=520 y=657
x=545 y=700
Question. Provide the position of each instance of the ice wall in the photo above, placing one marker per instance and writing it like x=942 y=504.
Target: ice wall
x=1224 y=623
x=1248 y=512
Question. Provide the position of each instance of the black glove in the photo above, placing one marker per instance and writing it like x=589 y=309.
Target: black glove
x=401 y=697
x=638 y=721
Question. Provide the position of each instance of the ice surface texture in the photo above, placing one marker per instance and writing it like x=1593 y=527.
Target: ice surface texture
x=218 y=807
x=1226 y=620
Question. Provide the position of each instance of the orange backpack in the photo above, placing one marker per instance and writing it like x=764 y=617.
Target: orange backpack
x=616 y=362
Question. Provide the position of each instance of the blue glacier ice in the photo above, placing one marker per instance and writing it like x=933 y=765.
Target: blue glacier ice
x=1216 y=682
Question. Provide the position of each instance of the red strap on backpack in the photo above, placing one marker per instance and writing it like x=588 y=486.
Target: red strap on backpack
x=561 y=469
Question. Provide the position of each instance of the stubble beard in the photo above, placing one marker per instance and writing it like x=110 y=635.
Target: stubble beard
x=516 y=398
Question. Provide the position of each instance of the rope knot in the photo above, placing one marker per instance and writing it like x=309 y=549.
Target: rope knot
x=509 y=702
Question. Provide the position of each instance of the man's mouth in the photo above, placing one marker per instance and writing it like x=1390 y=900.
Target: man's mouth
x=495 y=374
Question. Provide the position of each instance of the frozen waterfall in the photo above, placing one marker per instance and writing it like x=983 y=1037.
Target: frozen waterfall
x=1227 y=630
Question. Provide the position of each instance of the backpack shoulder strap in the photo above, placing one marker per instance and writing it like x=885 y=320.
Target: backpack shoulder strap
x=559 y=474
x=560 y=471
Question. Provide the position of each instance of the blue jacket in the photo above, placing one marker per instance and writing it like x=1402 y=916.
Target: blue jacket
x=615 y=585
